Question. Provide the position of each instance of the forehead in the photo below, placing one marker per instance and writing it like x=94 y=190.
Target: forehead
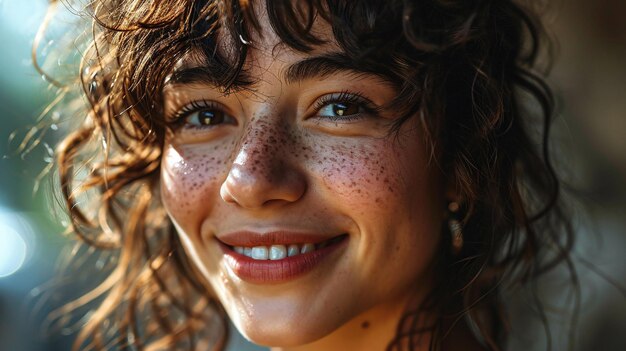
x=234 y=62
x=268 y=58
x=264 y=47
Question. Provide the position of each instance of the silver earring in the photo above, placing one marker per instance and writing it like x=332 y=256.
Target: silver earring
x=456 y=229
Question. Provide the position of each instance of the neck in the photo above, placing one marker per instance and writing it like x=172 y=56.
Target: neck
x=371 y=330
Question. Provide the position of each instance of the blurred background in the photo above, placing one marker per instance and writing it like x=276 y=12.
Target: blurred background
x=589 y=77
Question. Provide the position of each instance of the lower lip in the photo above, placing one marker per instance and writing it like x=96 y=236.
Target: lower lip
x=277 y=271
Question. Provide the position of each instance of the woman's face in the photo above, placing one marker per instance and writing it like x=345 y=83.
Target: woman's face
x=302 y=158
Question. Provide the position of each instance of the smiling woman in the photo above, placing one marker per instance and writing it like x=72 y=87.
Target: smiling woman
x=330 y=175
x=302 y=158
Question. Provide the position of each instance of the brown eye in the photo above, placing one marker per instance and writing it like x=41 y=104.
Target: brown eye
x=205 y=118
x=343 y=109
x=339 y=109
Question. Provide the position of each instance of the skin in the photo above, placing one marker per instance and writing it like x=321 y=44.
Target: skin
x=278 y=162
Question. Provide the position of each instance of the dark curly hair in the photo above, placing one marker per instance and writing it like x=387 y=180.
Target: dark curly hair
x=467 y=68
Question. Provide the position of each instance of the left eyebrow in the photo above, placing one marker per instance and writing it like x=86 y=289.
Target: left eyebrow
x=325 y=65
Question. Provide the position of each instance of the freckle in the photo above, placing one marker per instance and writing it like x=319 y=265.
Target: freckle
x=398 y=248
x=378 y=200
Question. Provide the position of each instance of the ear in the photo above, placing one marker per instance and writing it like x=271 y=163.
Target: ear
x=451 y=191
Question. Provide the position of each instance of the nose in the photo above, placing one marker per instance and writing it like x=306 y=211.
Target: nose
x=263 y=171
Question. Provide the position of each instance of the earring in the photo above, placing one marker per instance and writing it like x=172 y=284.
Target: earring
x=456 y=229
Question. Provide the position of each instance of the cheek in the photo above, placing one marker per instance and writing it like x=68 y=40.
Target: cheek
x=364 y=175
x=190 y=176
x=393 y=196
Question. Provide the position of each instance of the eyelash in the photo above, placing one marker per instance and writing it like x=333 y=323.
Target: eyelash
x=350 y=98
x=178 y=118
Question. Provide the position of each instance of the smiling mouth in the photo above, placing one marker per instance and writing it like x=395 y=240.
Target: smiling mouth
x=278 y=257
x=279 y=251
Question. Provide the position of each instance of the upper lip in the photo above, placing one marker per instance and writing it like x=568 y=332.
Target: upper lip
x=280 y=237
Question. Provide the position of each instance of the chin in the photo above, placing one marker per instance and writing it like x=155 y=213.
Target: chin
x=287 y=334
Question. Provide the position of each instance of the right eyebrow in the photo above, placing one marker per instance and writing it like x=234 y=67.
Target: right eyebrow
x=200 y=75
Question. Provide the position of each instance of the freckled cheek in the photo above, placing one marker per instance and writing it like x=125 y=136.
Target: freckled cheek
x=190 y=181
x=363 y=177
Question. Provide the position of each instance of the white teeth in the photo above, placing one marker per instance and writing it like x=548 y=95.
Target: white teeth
x=293 y=250
x=307 y=248
x=275 y=252
x=259 y=253
x=278 y=252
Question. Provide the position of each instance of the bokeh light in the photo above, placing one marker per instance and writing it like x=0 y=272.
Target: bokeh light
x=15 y=242
x=12 y=251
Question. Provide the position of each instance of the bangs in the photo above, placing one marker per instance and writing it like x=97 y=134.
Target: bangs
x=215 y=35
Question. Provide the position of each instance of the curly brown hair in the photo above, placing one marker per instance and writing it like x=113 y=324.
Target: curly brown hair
x=467 y=69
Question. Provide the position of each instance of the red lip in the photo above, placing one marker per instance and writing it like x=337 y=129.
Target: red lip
x=273 y=272
x=245 y=238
